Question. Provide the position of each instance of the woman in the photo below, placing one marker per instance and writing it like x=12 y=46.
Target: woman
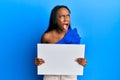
x=60 y=32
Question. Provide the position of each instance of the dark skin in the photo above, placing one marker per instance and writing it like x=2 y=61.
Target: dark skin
x=51 y=37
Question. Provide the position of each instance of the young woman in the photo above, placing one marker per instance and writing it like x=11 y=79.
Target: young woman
x=60 y=32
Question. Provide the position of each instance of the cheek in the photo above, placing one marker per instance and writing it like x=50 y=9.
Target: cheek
x=59 y=21
x=68 y=19
x=59 y=24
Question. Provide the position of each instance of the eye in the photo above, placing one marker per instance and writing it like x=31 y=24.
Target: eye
x=61 y=16
x=68 y=15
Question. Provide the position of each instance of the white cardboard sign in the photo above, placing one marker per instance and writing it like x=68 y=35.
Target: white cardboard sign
x=60 y=59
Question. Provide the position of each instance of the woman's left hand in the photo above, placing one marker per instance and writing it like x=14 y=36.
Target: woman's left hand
x=82 y=61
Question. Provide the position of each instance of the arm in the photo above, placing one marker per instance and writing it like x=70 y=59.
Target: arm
x=40 y=61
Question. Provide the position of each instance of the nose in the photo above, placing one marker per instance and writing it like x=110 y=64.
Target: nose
x=66 y=18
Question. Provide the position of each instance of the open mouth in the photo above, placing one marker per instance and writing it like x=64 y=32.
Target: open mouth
x=66 y=26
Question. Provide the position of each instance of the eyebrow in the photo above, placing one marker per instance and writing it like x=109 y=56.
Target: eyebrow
x=64 y=15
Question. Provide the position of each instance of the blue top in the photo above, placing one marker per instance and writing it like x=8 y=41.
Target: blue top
x=71 y=37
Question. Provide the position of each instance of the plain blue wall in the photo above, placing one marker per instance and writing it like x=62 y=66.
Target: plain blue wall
x=22 y=22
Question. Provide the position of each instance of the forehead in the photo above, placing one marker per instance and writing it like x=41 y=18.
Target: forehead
x=62 y=11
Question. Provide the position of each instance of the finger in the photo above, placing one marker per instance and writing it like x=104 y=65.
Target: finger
x=85 y=60
x=41 y=60
x=84 y=63
x=78 y=60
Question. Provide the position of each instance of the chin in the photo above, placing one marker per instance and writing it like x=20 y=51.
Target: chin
x=65 y=30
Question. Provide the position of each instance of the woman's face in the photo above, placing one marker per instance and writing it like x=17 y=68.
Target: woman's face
x=63 y=19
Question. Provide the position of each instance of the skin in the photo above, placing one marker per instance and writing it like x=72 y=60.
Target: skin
x=51 y=37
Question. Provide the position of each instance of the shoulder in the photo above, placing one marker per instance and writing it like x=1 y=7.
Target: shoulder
x=46 y=37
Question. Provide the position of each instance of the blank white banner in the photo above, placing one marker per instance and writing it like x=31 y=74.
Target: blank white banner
x=60 y=59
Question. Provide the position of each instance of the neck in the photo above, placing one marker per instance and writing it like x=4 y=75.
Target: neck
x=60 y=31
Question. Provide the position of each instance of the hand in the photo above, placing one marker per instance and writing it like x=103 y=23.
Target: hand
x=82 y=61
x=38 y=61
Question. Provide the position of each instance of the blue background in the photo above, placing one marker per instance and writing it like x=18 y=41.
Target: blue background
x=22 y=22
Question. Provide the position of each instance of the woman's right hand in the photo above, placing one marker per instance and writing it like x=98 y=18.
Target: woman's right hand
x=38 y=61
